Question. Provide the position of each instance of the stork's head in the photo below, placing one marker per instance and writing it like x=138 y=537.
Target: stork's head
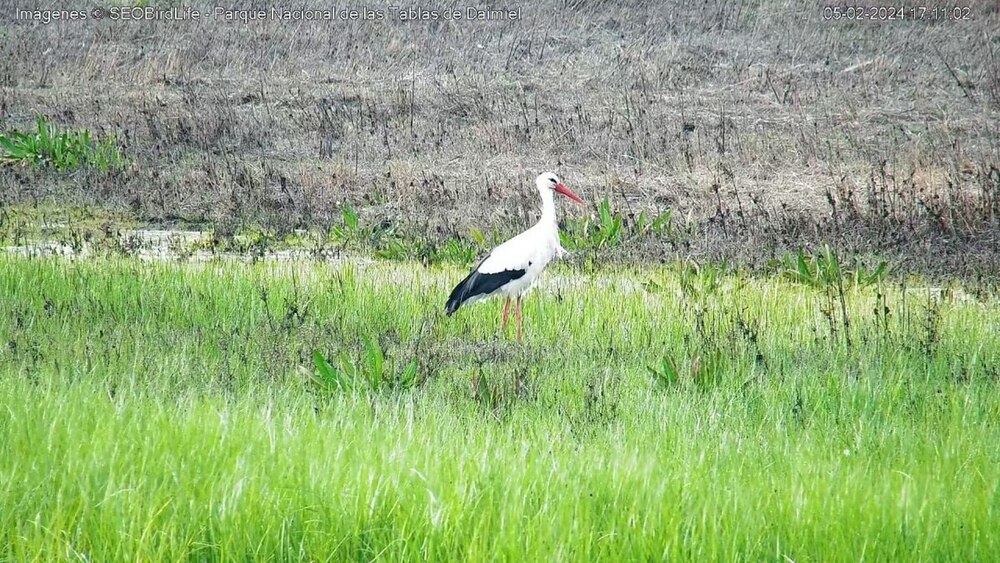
x=549 y=182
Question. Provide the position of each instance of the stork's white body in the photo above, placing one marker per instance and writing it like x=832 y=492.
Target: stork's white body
x=530 y=251
x=512 y=268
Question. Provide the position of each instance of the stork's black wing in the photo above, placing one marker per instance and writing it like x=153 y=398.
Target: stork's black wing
x=478 y=283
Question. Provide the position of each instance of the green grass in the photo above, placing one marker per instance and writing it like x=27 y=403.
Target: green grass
x=158 y=411
x=611 y=228
x=63 y=150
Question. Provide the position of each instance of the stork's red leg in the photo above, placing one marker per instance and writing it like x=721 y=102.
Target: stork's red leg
x=517 y=317
x=506 y=312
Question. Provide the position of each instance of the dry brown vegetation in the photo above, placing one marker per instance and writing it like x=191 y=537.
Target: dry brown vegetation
x=763 y=126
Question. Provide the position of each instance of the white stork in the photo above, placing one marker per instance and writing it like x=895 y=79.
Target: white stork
x=512 y=268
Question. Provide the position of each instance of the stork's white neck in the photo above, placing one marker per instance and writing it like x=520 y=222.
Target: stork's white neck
x=548 y=207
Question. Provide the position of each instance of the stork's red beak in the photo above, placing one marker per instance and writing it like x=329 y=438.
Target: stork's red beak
x=561 y=188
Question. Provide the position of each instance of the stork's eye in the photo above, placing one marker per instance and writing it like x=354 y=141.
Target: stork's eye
x=553 y=180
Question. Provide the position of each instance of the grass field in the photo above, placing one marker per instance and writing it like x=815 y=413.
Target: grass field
x=159 y=411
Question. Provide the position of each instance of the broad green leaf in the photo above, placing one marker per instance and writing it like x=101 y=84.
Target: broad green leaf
x=327 y=374
x=375 y=360
x=350 y=218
